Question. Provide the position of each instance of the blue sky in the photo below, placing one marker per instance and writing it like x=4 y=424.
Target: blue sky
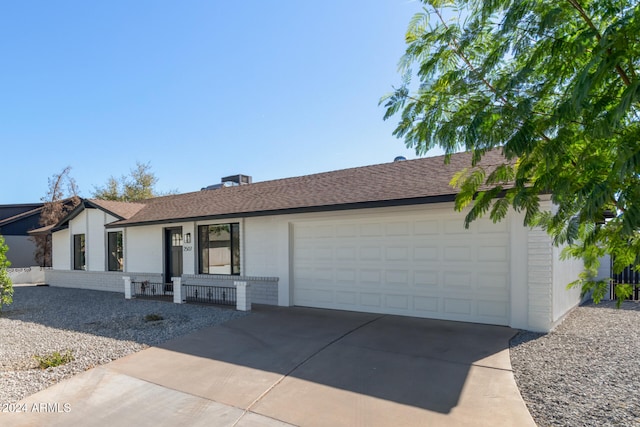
x=198 y=89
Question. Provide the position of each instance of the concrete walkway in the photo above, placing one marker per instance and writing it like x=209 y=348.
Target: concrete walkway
x=298 y=366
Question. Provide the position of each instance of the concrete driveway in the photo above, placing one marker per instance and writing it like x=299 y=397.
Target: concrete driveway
x=299 y=366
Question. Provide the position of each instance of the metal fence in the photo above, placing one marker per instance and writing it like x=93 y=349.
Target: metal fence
x=629 y=276
x=210 y=294
x=151 y=290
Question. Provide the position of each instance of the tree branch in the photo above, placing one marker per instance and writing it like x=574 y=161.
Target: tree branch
x=591 y=25
x=456 y=49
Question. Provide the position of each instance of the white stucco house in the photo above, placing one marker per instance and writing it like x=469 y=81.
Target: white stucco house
x=382 y=238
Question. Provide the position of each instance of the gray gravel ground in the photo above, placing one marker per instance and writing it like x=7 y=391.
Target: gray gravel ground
x=584 y=373
x=97 y=327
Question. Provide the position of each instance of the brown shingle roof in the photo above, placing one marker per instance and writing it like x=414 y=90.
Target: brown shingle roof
x=405 y=182
x=123 y=210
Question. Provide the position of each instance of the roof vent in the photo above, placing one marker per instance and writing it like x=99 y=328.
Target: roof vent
x=237 y=179
x=399 y=158
x=230 y=181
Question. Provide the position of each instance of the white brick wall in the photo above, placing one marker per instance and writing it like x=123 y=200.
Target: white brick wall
x=540 y=280
x=263 y=290
x=29 y=275
x=110 y=281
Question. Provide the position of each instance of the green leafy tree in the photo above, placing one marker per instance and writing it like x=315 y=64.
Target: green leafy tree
x=138 y=185
x=6 y=287
x=554 y=85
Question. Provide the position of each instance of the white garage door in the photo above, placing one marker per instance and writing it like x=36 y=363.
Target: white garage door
x=424 y=265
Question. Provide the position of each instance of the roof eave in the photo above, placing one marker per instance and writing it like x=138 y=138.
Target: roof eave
x=305 y=209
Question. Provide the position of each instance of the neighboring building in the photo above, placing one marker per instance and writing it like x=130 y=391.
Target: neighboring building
x=382 y=239
x=15 y=223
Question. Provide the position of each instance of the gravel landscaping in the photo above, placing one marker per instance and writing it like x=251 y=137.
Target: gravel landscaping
x=584 y=373
x=97 y=327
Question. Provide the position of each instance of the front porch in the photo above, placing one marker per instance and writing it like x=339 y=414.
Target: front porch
x=203 y=294
x=194 y=288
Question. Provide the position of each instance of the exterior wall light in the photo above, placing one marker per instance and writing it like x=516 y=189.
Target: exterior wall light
x=187 y=238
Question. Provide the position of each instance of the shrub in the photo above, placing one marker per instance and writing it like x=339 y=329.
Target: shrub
x=54 y=359
x=6 y=287
x=153 y=317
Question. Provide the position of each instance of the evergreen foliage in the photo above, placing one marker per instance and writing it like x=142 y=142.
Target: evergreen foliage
x=6 y=287
x=555 y=86
x=138 y=186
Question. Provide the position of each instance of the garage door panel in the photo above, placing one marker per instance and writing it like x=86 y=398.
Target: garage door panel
x=426 y=227
x=490 y=308
x=426 y=279
x=493 y=282
x=370 y=253
x=346 y=276
x=457 y=253
x=347 y=230
x=492 y=253
x=396 y=278
x=429 y=305
x=427 y=267
x=458 y=281
x=348 y=298
x=397 y=253
x=371 y=230
x=453 y=227
x=457 y=306
x=346 y=253
x=303 y=253
x=323 y=296
x=486 y=226
x=370 y=277
x=323 y=275
x=370 y=300
x=324 y=232
x=397 y=302
x=426 y=253
x=303 y=275
x=398 y=229
x=323 y=253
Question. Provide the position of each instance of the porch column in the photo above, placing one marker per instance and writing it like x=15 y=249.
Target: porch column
x=243 y=300
x=128 y=287
x=177 y=290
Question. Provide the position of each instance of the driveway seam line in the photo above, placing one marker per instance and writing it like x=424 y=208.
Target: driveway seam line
x=267 y=391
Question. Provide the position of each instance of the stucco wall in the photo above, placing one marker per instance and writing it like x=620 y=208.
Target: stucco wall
x=89 y=222
x=143 y=249
x=61 y=252
x=97 y=250
x=266 y=251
